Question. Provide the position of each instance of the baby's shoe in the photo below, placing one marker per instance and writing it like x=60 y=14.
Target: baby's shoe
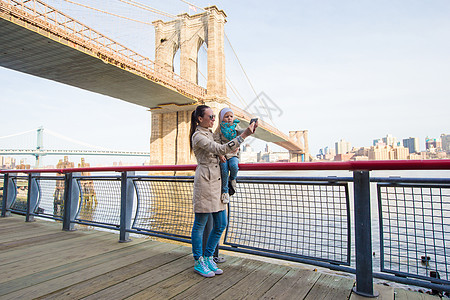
x=225 y=198
x=233 y=184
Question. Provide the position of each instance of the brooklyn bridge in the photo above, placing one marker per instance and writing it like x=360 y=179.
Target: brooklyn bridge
x=38 y=39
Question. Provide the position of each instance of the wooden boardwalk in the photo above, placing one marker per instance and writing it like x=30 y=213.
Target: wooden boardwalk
x=39 y=260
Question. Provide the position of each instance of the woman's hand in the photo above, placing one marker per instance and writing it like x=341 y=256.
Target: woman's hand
x=250 y=130
x=222 y=158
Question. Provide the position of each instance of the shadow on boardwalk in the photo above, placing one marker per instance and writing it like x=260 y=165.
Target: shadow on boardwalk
x=38 y=260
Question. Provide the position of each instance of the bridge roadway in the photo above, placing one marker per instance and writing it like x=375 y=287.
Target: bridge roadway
x=38 y=40
x=38 y=259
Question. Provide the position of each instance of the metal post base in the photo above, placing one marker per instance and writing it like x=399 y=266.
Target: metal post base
x=375 y=293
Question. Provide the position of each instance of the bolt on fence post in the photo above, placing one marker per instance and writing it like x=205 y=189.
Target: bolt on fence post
x=71 y=198
x=126 y=206
x=363 y=235
x=9 y=194
x=32 y=198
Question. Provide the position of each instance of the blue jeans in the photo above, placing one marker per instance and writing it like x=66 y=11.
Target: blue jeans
x=219 y=225
x=231 y=167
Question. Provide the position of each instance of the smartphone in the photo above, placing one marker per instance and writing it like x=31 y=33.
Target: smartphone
x=253 y=120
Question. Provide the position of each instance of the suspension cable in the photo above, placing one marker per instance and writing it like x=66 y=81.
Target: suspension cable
x=248 y=79
x=148 y=8
x=108 y=13
x=191 y=4
x=230 y=84
x=73 y=140
x=16 y=134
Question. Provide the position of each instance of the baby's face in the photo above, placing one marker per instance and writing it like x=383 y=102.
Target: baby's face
x=228 y=117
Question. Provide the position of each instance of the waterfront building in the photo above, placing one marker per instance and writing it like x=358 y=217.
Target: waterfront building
x=343 y=147
x=326 y=153
x=445 y=140
x=8 y=163
x=400 y=153
x=274 y=157
x=418 y=156
x=379 y=153
x=433 y=145
x=412 y=143
x=344 y=156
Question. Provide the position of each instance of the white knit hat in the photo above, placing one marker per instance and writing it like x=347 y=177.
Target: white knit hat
x=223 y=112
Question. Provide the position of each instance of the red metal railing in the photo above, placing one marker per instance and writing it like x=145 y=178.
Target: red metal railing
x=309 y=166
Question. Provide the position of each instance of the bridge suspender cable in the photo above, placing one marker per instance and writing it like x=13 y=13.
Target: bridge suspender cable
x=193 y=5
x=148 y=8
x=248 y=79
x=108 y=13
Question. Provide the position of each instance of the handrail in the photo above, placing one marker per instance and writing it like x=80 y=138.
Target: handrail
x=310 y=166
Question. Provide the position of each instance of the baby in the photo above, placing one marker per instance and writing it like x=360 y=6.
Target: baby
x=225 y=132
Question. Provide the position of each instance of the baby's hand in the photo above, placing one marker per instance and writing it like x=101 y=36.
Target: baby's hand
x=222 y=158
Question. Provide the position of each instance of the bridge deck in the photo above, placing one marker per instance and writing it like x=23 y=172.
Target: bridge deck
x=39 y=260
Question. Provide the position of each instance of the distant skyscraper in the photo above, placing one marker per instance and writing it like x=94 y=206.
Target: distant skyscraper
x=412 y=144
x=433 y=143
x=378 y=142
x=445 y=139
x=343 y=147
x=390 y=140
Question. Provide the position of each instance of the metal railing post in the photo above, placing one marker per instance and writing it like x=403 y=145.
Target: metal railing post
x=9 y=194
x=32 y=199
x=71 y=195
x=363 y=235
x=126 y=206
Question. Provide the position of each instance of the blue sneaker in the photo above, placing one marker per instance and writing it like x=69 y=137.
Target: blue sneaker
x=212 y=265
x=201 y=268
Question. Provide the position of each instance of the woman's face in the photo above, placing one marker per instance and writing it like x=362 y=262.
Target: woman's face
x=208 y=119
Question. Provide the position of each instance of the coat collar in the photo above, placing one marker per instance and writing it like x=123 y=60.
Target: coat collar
x=203 y=129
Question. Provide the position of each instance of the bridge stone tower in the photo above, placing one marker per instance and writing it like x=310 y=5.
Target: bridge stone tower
x=301 y=138
x=169 y=142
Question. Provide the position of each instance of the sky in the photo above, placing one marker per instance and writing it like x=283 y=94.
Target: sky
x=353 y=69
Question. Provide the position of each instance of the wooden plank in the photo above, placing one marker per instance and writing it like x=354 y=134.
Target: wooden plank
x=67 y=240
x=36 y=240
x=167 y=267
x=331 y=287
x=402 y=294
x=257 y=283
x=116 y=276
x=127 y=254
x=87 y=273
x=174 y=285
x=385 y=293
x=53 y=258
x=11 y=220
x=32 y=231
x=233 y=273
x=295 y=284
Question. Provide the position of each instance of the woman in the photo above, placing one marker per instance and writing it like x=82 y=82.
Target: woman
x=207 y=187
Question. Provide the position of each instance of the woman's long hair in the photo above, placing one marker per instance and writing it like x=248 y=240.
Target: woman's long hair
x=198 y=112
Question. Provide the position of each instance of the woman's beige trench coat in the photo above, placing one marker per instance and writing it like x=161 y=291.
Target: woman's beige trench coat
x=207 y=180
